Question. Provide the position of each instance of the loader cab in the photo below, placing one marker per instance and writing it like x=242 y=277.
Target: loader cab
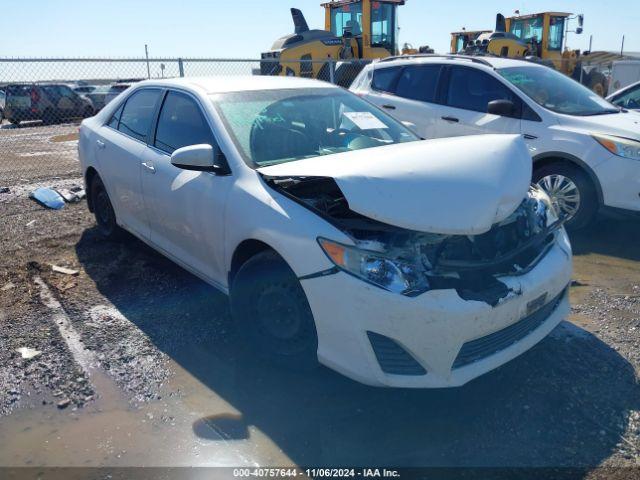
x=372 y=23
x=544 y=31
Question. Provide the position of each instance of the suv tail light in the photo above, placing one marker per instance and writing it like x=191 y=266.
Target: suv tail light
x=35 y=96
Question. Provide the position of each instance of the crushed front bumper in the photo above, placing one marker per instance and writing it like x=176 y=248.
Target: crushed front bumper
x=447 y=340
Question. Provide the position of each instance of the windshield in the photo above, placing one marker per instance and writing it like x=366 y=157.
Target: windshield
x=278 y=126
x=347 y=18
x=557 y=92
x=528 y=29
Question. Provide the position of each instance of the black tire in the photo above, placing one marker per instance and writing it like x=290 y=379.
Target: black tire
x=103 y=211
x=588 y=207
x=598 y=83
x=272 y=312
x=88 y=112
x=48 y=117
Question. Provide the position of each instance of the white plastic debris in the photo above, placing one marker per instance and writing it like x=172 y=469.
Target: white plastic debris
x=65 y=271
x=28 y=353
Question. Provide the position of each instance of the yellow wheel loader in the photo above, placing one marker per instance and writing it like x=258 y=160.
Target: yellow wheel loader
x=538 y=37
x=354 y=29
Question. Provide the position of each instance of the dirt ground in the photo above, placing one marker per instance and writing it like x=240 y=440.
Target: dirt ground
x=138 y=364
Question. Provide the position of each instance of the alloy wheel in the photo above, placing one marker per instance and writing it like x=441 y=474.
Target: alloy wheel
x=564 y=194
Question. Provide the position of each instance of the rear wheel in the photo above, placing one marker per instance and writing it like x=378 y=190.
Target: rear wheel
x=103 y=211
x=272 y=312
x=571 y=191
x=88 y=112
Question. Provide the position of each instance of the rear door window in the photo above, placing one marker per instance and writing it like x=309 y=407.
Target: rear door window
x=419 y=82
x=384 y=79
x=137 y=115
x=471 y=89
x=180 y=124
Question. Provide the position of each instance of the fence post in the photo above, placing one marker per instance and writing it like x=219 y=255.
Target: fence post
x=180 y=67
x=332 y=71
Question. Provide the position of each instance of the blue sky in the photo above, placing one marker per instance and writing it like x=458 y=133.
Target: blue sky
x=244 y=28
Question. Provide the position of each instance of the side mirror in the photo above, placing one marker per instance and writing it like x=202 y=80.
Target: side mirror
x=201 y=158
x=503 y=108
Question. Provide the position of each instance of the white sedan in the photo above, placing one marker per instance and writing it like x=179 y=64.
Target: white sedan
x=340 y=237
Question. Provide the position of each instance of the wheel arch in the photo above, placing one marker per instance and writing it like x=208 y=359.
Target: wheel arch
x=243 y=252
x=558 y=157
x=89 y=175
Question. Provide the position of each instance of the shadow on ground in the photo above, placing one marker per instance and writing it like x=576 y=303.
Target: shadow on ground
x=564 y=403
x=617 y=236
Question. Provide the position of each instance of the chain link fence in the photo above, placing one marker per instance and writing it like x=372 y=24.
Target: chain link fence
x=42 y=102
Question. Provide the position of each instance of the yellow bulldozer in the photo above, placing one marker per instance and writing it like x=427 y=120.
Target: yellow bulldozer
x=354 y=29
x=538 y=37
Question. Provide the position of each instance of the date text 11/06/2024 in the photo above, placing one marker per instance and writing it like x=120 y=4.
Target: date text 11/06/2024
x=316 y=472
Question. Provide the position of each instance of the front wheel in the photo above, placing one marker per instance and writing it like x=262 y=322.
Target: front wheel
x=272 y=312
x=571 y=192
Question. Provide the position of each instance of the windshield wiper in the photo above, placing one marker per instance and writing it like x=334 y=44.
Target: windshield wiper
x=601 y=112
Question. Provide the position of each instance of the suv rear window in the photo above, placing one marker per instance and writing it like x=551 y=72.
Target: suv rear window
x=419 y=82
x=19 y=90
x=384 y=79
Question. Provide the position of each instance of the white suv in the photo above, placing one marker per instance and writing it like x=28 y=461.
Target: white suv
x=586 y=151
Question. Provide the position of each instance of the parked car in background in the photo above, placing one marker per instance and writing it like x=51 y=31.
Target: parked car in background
x=83 y=89
x=628 y=97
x=586 y=151
x=115 y=90
x=98 y=96
x=47 y=102
x=338 y=234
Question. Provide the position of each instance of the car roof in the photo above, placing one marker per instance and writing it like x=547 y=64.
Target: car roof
x=488 y=62
x=238 y=83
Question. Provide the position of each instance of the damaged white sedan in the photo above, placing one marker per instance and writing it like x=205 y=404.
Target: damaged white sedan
x=340 y=236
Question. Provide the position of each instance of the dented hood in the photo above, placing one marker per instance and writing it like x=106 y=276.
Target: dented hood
x=460 y=185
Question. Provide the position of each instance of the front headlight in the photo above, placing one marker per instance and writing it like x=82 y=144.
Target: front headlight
x=373 y=267
x=550 y=211
x=622 y=147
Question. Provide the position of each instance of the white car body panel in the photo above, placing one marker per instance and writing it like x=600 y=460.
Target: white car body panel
x=396 y=184
x=556 y=136
x=199 y=219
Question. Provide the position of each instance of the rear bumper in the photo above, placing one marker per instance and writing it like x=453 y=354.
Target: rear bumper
x=450 y=340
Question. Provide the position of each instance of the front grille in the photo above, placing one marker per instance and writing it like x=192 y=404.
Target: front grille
x=480 y=348
x=393 y=358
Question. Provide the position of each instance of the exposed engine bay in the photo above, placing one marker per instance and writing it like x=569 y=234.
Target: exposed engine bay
x=470 y=264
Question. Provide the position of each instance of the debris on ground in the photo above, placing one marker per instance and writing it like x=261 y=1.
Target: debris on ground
x=64 y=403
x=64 y=270
x=48 y=197
x=73 y=194
x=30 y=224
x=5 y=189
x=28 y=353
x=8 y=286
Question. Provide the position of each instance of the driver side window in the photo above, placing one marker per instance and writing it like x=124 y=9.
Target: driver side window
x=471 y=89
x=181 y=124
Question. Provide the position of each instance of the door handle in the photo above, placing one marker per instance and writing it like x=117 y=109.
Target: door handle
x=451 y=119
x=150 y=168
x=100 y=144
x=389 y=107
